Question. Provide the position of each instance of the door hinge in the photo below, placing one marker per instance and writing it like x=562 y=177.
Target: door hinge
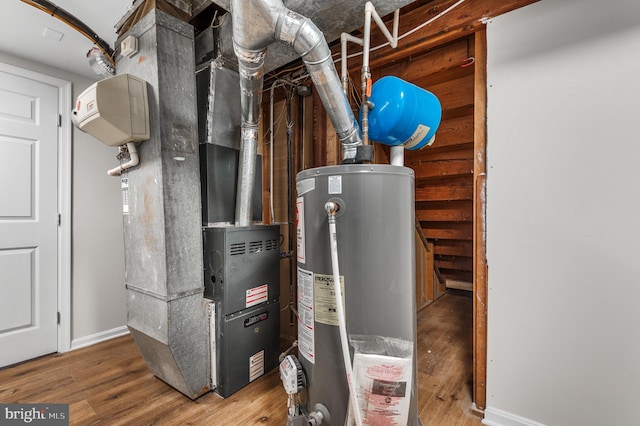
x=59 y=219
x=59 y=120
x=58 y=318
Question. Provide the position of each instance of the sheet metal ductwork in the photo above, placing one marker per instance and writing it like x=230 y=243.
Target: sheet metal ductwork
x=257 y=24
x=323 y=14
x=167 y=315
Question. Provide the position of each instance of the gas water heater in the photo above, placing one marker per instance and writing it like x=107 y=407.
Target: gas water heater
x=355 y=225
x=375 y=239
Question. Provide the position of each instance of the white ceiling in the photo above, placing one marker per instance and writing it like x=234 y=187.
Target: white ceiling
x=22 y=27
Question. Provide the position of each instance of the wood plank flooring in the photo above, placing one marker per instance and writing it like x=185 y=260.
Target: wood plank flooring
x=109 y=384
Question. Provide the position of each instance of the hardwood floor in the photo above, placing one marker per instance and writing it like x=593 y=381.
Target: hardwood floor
x=445 y=357
x=109 y=384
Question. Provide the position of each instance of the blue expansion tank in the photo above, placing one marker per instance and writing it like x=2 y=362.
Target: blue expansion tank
x=403 y=114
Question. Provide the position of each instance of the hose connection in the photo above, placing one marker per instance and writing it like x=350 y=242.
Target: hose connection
x=331 y=207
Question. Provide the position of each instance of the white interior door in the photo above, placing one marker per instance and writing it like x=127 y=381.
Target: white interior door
x=28 y=218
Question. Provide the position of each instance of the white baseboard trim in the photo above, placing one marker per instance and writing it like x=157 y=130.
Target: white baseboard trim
x=92 y=339
x=495 y=417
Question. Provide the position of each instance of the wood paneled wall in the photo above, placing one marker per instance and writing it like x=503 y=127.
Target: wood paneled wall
x=444 y=171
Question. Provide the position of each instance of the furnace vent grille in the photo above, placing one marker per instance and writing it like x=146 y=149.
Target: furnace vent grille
x=255 y=246
x=237 y=249
x=271 y=244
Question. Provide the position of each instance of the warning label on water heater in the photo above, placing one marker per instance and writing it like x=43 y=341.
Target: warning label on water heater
x=300 y=229
x=306 y=337
x=325 y=299
x=335 y=184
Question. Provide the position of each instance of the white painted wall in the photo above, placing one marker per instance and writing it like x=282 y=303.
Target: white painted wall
x=97 y=265
x=563 y=214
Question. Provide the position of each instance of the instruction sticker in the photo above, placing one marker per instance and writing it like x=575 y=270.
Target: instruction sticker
x=325 y=298
x=306 y=337
x=124 y=183
x=256 y=295
x=256 y=365
x=300 y=229
x=417 y=136
x=335 y=184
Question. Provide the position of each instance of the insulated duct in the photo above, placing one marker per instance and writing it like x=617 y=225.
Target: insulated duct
x=257 y=24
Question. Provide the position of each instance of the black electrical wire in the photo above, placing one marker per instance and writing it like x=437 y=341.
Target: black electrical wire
x=57 y=12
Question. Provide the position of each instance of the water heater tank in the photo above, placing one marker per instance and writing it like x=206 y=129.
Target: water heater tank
x=403 y=114
x=375 y=228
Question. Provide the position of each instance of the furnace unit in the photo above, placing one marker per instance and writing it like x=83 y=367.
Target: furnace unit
x=242 y=277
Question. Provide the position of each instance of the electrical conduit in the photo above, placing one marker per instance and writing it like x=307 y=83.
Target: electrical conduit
x=332 y=208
